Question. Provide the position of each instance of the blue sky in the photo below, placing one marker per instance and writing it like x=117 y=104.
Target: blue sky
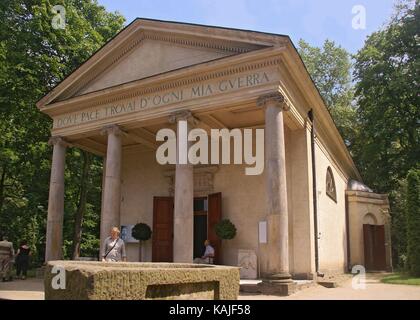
x=311 y=20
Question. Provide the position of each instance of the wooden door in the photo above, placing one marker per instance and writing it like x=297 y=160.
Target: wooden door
x=374 y=247
x=214 y=215
x=379 y=248
x=163 y=229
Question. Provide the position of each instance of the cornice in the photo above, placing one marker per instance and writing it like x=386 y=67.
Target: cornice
x=159 y=115
x=144 y=34
x=190 y=76
x=365 y=194
x=200 y=41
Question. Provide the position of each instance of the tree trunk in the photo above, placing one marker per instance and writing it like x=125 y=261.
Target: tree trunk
x=140 y=257
x=78 y=219
x=2 y=185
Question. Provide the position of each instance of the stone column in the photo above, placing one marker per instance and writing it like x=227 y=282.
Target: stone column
x=184 y=191
x=111 y=197
x=54 y=243
x=277 y=213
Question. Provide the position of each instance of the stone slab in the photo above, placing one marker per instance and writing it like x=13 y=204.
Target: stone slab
x=247 y=261
x=86 y=280
x=277 y=289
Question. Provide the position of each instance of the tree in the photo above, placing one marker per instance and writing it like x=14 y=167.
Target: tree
x=413 y=222
x=329 y=68
x=399 y=225
x=81 y=206
x=34 y=57
x=386 y=71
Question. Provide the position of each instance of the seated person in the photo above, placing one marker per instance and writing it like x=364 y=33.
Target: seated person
x=208 y=256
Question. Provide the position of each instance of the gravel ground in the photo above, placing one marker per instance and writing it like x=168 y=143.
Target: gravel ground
x=375 y=290
x=33 y=289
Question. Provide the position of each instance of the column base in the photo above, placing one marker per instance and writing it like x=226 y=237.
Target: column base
x=278 y=284
x=281 y=277
x=277 y=288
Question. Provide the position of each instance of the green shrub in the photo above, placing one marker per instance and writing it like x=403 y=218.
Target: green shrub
x=141 y=232
x=413 y=222
x=225 y=229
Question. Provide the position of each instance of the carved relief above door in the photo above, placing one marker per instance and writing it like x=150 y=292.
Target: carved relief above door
x=203 y=180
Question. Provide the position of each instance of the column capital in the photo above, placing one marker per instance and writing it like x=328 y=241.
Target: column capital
x=57 y=140
x=112 y=129
x=184 y=115
x=274 y=97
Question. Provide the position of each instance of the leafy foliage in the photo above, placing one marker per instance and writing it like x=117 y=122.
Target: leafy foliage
x=388 y=111
x=387 y=144
x=141 y=232
x=34 y=57
x=413 y=222
x=329 y=68
x=378 y=117
x=399 y=225
x=225 y=229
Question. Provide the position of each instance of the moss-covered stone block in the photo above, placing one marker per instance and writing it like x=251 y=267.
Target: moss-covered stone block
x=87 y=280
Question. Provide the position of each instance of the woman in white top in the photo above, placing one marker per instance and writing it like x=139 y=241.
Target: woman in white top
x=114 y=248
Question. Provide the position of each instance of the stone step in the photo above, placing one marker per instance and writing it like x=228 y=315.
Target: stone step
x=258 y=287
x=249 y=286
x=333 y=280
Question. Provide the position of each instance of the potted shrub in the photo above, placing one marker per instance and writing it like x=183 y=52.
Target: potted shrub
x=141 y=232
x=225 y=229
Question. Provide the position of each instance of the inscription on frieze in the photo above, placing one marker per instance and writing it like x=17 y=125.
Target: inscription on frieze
x=147 y=101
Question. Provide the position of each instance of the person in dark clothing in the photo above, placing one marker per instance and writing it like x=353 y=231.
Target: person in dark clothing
x=22 y=259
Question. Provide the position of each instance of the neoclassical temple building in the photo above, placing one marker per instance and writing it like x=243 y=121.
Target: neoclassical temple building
x=304 y=216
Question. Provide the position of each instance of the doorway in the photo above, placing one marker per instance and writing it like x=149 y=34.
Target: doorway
x=207 y=213
x=200 y=225
x=163 y=229
x=374 y=247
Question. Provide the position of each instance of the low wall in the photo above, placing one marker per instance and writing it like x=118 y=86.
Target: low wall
x=86 y=280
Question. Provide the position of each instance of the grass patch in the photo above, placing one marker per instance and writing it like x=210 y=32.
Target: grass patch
x=401 y=278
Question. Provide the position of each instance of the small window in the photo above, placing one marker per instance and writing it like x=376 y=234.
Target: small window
x=330 y=185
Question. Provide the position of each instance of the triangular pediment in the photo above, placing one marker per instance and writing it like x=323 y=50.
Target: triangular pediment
x=150 y=47
x=151 y=57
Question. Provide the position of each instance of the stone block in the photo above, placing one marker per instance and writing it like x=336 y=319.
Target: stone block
x=277 y=288
x=247 y=261
x=86 y=280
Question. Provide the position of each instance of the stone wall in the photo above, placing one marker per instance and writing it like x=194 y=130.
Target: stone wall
x=331 y=215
